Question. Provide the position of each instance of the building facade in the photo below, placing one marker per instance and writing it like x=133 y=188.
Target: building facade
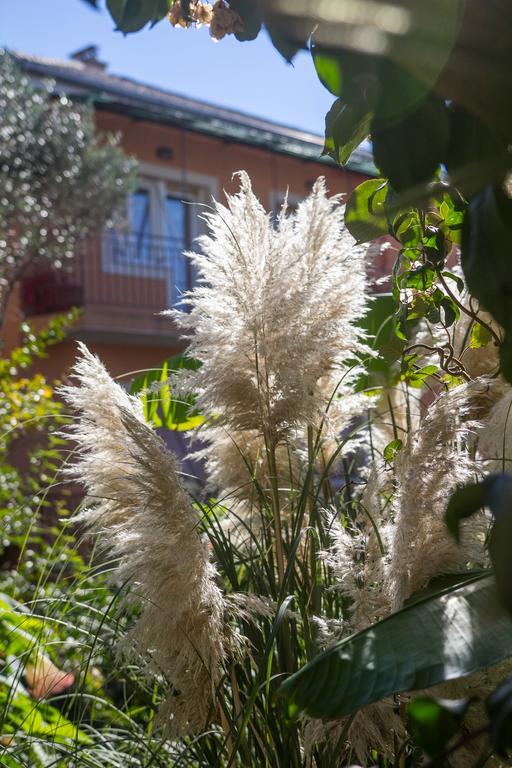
x=188 y=152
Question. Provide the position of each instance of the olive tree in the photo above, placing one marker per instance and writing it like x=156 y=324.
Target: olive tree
x=59 y=179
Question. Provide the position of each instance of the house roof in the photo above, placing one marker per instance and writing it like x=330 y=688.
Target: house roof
x=128 y=96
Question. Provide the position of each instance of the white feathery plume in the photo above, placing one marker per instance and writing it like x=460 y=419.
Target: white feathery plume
x=237 y=464
x=273 y=321
x=396 y=413
x=376 y=725
x=146 y=521
x=275 y=310
x=436 y=459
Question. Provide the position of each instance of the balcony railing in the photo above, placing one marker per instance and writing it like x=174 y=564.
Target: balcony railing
x=115 y=270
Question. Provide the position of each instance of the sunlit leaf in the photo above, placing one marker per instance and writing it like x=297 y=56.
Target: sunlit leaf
x=392 y=449
x=480 y=336
x=160 y=406
x=365 y=214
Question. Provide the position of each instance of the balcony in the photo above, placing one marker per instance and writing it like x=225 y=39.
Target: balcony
x=120 y=281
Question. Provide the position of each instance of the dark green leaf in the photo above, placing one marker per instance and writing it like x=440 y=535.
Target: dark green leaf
x=450 y=310
x=494 y=492
x=487 y=256
x=350 y=76
x=288 y=38
x=250 y=13
x=433 y=722
x=346 y=126
x=365 y=214
x=407 y=228
x=499 y=710
x=459 y=282
x=499 y=493
x=412 y=649
x=409 y=151
x=463 y=503
x=133 y=15
x=506 y=357
x=328 y=69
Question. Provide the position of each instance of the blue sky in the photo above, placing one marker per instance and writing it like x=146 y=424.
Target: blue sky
x=251 y=77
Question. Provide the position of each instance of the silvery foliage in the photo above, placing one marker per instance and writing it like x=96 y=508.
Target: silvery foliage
x=59 y=180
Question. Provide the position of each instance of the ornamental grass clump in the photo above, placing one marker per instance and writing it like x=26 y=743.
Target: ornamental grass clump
x=145 y=521
x=273 y=318
x=311 y=528
x=274 y=321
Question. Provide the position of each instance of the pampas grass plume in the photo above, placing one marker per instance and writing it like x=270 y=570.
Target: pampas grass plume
x=274 y=322
x=145 y=520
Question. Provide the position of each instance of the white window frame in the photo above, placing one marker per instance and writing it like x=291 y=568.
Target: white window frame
x=201 y=188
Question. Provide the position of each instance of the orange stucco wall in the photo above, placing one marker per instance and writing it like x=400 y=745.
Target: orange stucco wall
x=212 y=156
x=191 y=153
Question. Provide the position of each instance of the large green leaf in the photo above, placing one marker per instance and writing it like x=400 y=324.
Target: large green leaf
x=442 y=637
x=494 y=492
x=409 y=150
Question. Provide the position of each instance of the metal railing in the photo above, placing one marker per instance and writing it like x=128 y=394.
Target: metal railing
x=116 y=269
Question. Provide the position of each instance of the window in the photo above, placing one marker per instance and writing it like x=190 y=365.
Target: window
x=158 y=234
x=176 y=223
x=138 y=216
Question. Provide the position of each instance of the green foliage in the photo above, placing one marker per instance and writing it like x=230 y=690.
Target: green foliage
x=58 y=698
x=433 y=722
x=159 y=406
x=412 y=649
x=346 y=126
x=59 y=180
x=499 y=710
x=30 y=417
x=22 y=638
x=365 y=214
x=494 y=492
x=392 y=450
